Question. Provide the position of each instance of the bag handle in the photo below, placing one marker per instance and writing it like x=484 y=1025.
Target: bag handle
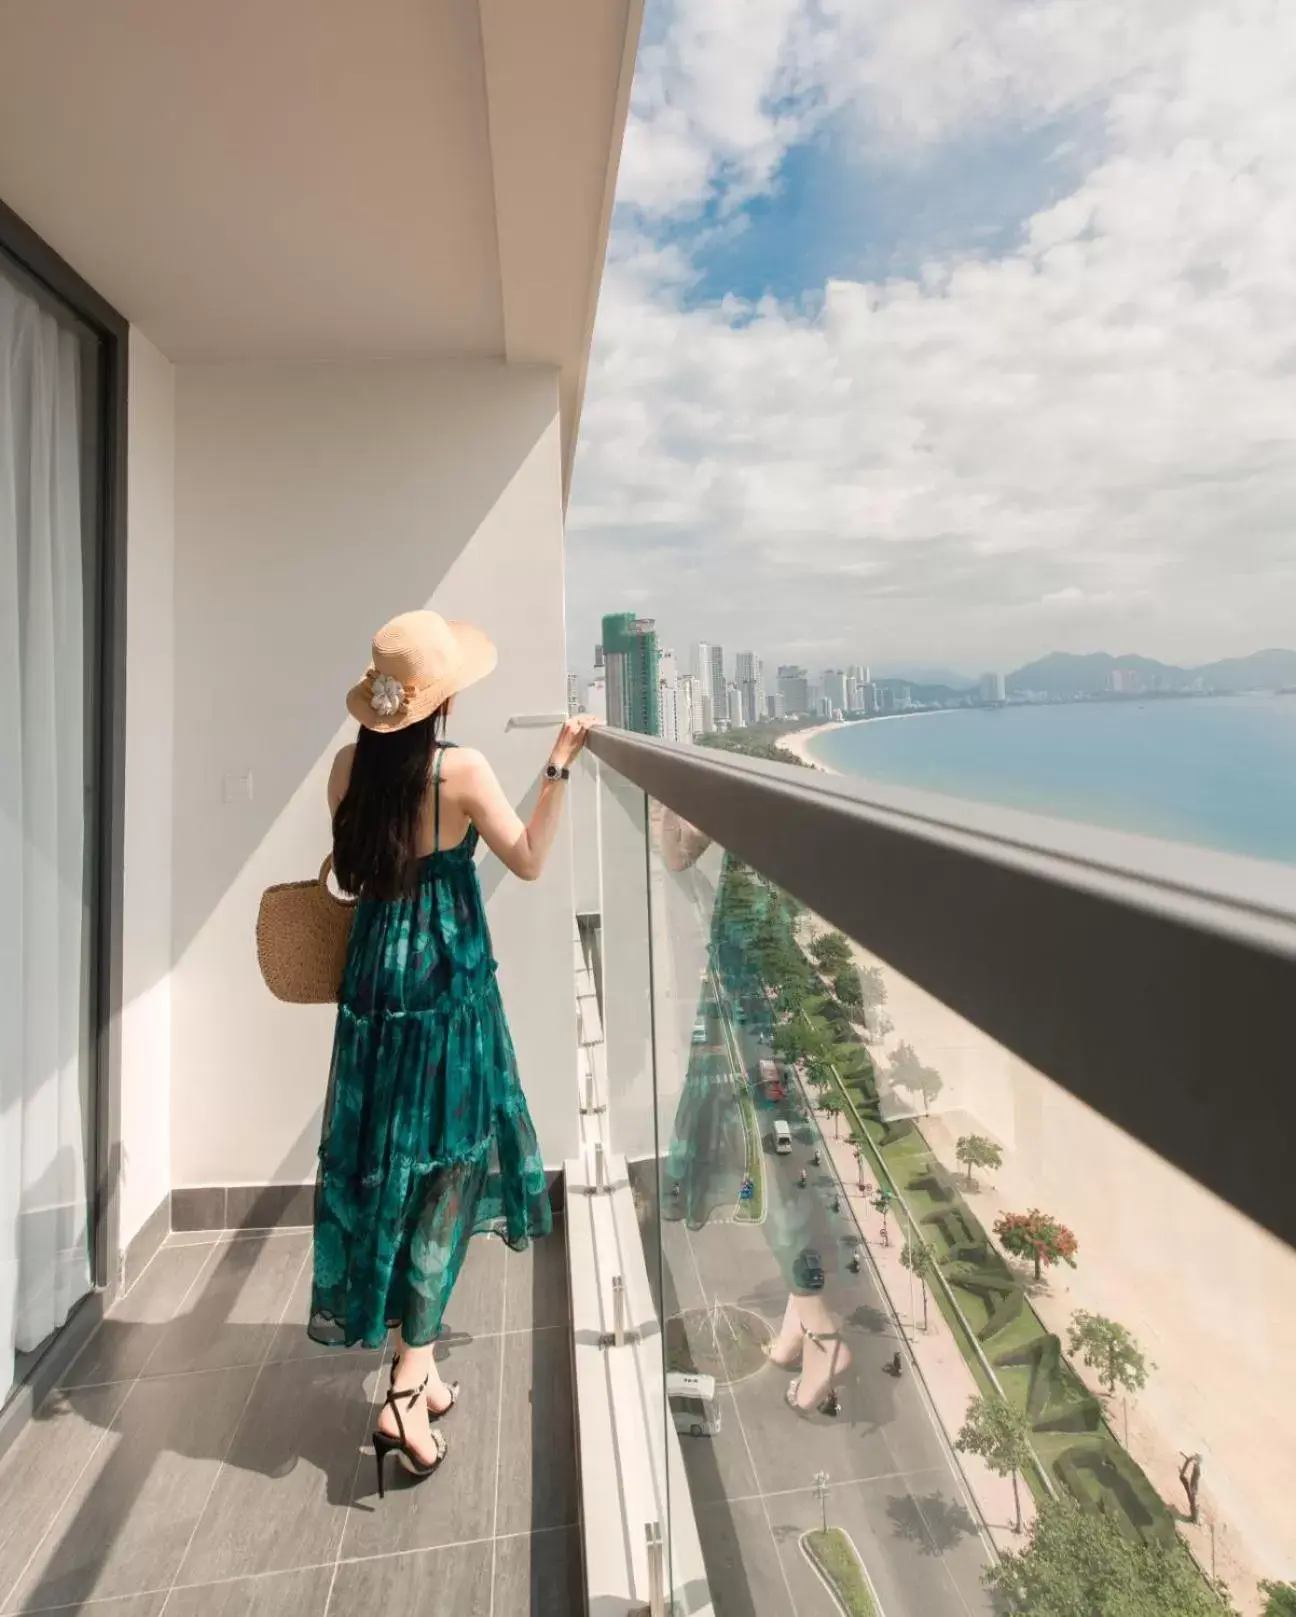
x=340 y=899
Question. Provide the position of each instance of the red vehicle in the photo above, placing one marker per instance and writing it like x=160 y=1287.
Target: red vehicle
x=769 y=1080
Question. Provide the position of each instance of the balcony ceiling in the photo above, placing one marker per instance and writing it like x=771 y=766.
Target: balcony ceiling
x=322 y=179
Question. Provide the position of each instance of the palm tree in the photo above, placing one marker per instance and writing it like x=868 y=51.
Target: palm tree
x=882 y=1204
x=858 y=1143
x=919 y=1259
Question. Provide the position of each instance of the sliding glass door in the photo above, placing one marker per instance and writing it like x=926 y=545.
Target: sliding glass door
x=49 y=698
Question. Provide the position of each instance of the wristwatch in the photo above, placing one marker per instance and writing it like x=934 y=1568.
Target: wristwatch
x=552 y=772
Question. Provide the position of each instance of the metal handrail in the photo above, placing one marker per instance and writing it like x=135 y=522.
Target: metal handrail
x=1155 y=981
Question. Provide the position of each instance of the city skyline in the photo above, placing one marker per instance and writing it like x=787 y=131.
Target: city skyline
x=724 y=661
x=965 y=371
x=641 y=683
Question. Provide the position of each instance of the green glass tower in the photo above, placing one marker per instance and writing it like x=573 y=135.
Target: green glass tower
x=630 y=670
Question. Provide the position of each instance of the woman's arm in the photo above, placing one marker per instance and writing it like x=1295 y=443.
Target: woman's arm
x=523 y=849
x=340 y=777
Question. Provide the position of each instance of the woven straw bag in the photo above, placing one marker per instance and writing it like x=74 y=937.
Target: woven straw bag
x=302 y=933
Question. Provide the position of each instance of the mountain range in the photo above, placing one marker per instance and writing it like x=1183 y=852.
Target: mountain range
x=1063 y=674
x=920 y=674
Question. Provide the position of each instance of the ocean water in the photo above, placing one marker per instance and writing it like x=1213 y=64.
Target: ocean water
x=1217 y=771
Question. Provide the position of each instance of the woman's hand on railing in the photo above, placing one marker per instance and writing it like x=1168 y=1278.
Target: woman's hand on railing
x=571 y=739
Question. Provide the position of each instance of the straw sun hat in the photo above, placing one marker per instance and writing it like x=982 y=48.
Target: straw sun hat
x=419 y=660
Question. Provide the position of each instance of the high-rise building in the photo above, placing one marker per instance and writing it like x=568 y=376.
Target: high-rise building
x=668 y=714
x=750 y=679
x=992 y=689
x=598 y=656
x=700 y=671
x=575 y=697
x=630 y=666
x=854 y=701
x=834 y=687
x=718 y=682
x=700 y=664
x=859 y=673
x=668 y=696
x=753 y=699
x=793 y=689
x=690 y=700
x=734 y=705
x=596 y=699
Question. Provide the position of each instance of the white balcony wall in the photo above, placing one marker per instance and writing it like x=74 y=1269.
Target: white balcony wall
x=583 y=800
x=145 y=1167
x=312 y=503
x=627 y=967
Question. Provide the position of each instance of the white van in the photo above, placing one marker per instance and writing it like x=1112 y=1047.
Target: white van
x=693 y=1404
x=782 y=1138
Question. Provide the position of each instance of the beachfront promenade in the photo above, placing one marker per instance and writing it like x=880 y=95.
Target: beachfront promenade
x=1209 y=1297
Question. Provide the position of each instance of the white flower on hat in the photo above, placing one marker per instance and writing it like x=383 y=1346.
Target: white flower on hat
x=386 y=696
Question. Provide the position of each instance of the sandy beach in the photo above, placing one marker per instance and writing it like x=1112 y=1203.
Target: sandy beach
x=797 y=742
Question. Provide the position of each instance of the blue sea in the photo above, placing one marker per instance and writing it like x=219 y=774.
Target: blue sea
x=1218 y=771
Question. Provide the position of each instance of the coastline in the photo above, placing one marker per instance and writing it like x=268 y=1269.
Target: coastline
x=798 y=742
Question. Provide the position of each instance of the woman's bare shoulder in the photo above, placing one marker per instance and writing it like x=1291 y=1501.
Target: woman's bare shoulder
x=340 y=775
x=462 y=766
x=461 y=758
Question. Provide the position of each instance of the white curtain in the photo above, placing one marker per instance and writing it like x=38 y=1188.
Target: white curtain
x=44 y=1254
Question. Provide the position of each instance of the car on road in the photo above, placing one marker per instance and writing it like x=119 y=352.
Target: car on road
x=693 y=1406
x=699 y=1031
x=807 y=1269
x=782 y=1138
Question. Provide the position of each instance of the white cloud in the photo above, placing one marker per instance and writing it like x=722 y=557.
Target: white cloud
x=719 y=98
x=1103 y=419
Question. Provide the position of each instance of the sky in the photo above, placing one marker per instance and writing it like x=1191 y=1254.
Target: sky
x=948 y=334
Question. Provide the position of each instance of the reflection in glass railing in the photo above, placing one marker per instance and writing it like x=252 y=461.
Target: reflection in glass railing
x=817 y=1467
x=936 y=1335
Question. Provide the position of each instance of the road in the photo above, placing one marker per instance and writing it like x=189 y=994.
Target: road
x=894 y=1486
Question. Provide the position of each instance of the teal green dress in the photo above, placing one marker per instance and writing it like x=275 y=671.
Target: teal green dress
x=427 y=1140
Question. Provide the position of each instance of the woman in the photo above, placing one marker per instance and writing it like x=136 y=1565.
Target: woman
x=427 y=1140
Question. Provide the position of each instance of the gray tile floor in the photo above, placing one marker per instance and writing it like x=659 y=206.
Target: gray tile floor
x=205 y=1459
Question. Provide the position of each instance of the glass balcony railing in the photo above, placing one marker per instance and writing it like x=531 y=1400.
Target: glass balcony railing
x=939 y=1322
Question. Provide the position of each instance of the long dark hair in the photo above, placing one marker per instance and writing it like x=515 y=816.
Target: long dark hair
x=375 y=829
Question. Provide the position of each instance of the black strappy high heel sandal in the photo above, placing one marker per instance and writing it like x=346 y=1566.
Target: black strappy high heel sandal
x=384 y=1445
x=452 y=1387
